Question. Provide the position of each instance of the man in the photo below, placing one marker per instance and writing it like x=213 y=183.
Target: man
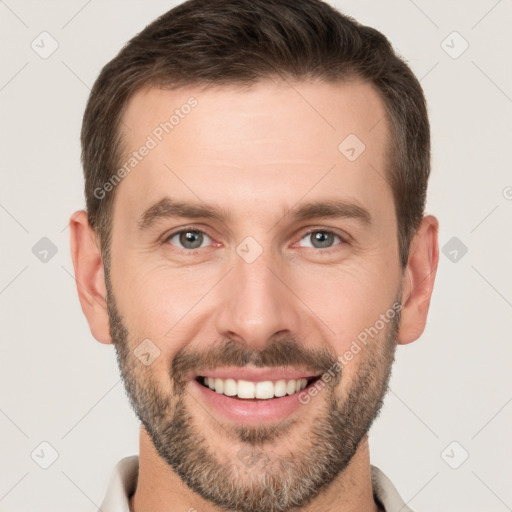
x=255 y=247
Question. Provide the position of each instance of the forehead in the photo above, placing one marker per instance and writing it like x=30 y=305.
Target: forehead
x=274 y=140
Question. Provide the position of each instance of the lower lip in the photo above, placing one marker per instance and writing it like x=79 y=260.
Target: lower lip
x=250 y=411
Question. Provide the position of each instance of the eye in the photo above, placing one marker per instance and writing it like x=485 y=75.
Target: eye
x=189 y=239
x=321 y=239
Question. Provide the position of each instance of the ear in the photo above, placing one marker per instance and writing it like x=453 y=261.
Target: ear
x=418 y=280
x=89 y=276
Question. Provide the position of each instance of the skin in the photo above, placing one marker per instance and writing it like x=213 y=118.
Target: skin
x=256 y=154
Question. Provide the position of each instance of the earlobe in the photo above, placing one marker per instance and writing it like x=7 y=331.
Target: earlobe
x=89 y=276
x=418 y=280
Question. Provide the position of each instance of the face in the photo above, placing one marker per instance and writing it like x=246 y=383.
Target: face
x=251 y=248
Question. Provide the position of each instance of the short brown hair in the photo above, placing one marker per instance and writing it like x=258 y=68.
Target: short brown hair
x=241 y=42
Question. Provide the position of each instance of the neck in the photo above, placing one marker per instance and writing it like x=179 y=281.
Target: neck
x=160 y=489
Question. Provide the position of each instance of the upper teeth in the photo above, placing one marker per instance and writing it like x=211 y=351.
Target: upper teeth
x=247 y=389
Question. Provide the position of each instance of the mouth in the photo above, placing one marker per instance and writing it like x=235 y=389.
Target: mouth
x=254 y=396
x=255 y=391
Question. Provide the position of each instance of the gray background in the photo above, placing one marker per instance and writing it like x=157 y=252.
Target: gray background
x=58 y=385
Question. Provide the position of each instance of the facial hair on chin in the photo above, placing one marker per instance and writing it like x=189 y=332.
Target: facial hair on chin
x=280 y=483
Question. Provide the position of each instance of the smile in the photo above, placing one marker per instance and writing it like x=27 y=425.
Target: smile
x=253 y=396
x=263 y=390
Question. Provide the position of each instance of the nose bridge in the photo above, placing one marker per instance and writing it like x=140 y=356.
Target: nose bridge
x=255 y=304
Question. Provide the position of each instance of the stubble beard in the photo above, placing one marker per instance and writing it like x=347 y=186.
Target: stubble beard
x=259 y=480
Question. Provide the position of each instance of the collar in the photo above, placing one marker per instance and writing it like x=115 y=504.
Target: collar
x=123 y=481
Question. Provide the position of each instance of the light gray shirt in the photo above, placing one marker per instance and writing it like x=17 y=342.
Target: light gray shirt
x=124 y=480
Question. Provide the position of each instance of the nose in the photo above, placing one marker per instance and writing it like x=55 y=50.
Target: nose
x=257 y=303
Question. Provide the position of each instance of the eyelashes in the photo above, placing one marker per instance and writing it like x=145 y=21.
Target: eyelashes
x=197 y=235
x=330 y=235
x=191 y=239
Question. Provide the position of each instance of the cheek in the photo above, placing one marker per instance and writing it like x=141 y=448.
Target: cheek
x=348 y=300
x=159 y=302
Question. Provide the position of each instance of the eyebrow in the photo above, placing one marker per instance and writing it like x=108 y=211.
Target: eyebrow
x=169 y=208
x=332 y=209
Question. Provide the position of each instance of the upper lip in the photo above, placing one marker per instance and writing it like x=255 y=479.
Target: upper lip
x=256 y=374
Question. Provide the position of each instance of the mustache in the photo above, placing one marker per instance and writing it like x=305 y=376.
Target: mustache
x=282 y=352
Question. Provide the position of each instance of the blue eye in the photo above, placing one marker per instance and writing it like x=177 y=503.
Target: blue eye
x=321 y=239
x=189 y=239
